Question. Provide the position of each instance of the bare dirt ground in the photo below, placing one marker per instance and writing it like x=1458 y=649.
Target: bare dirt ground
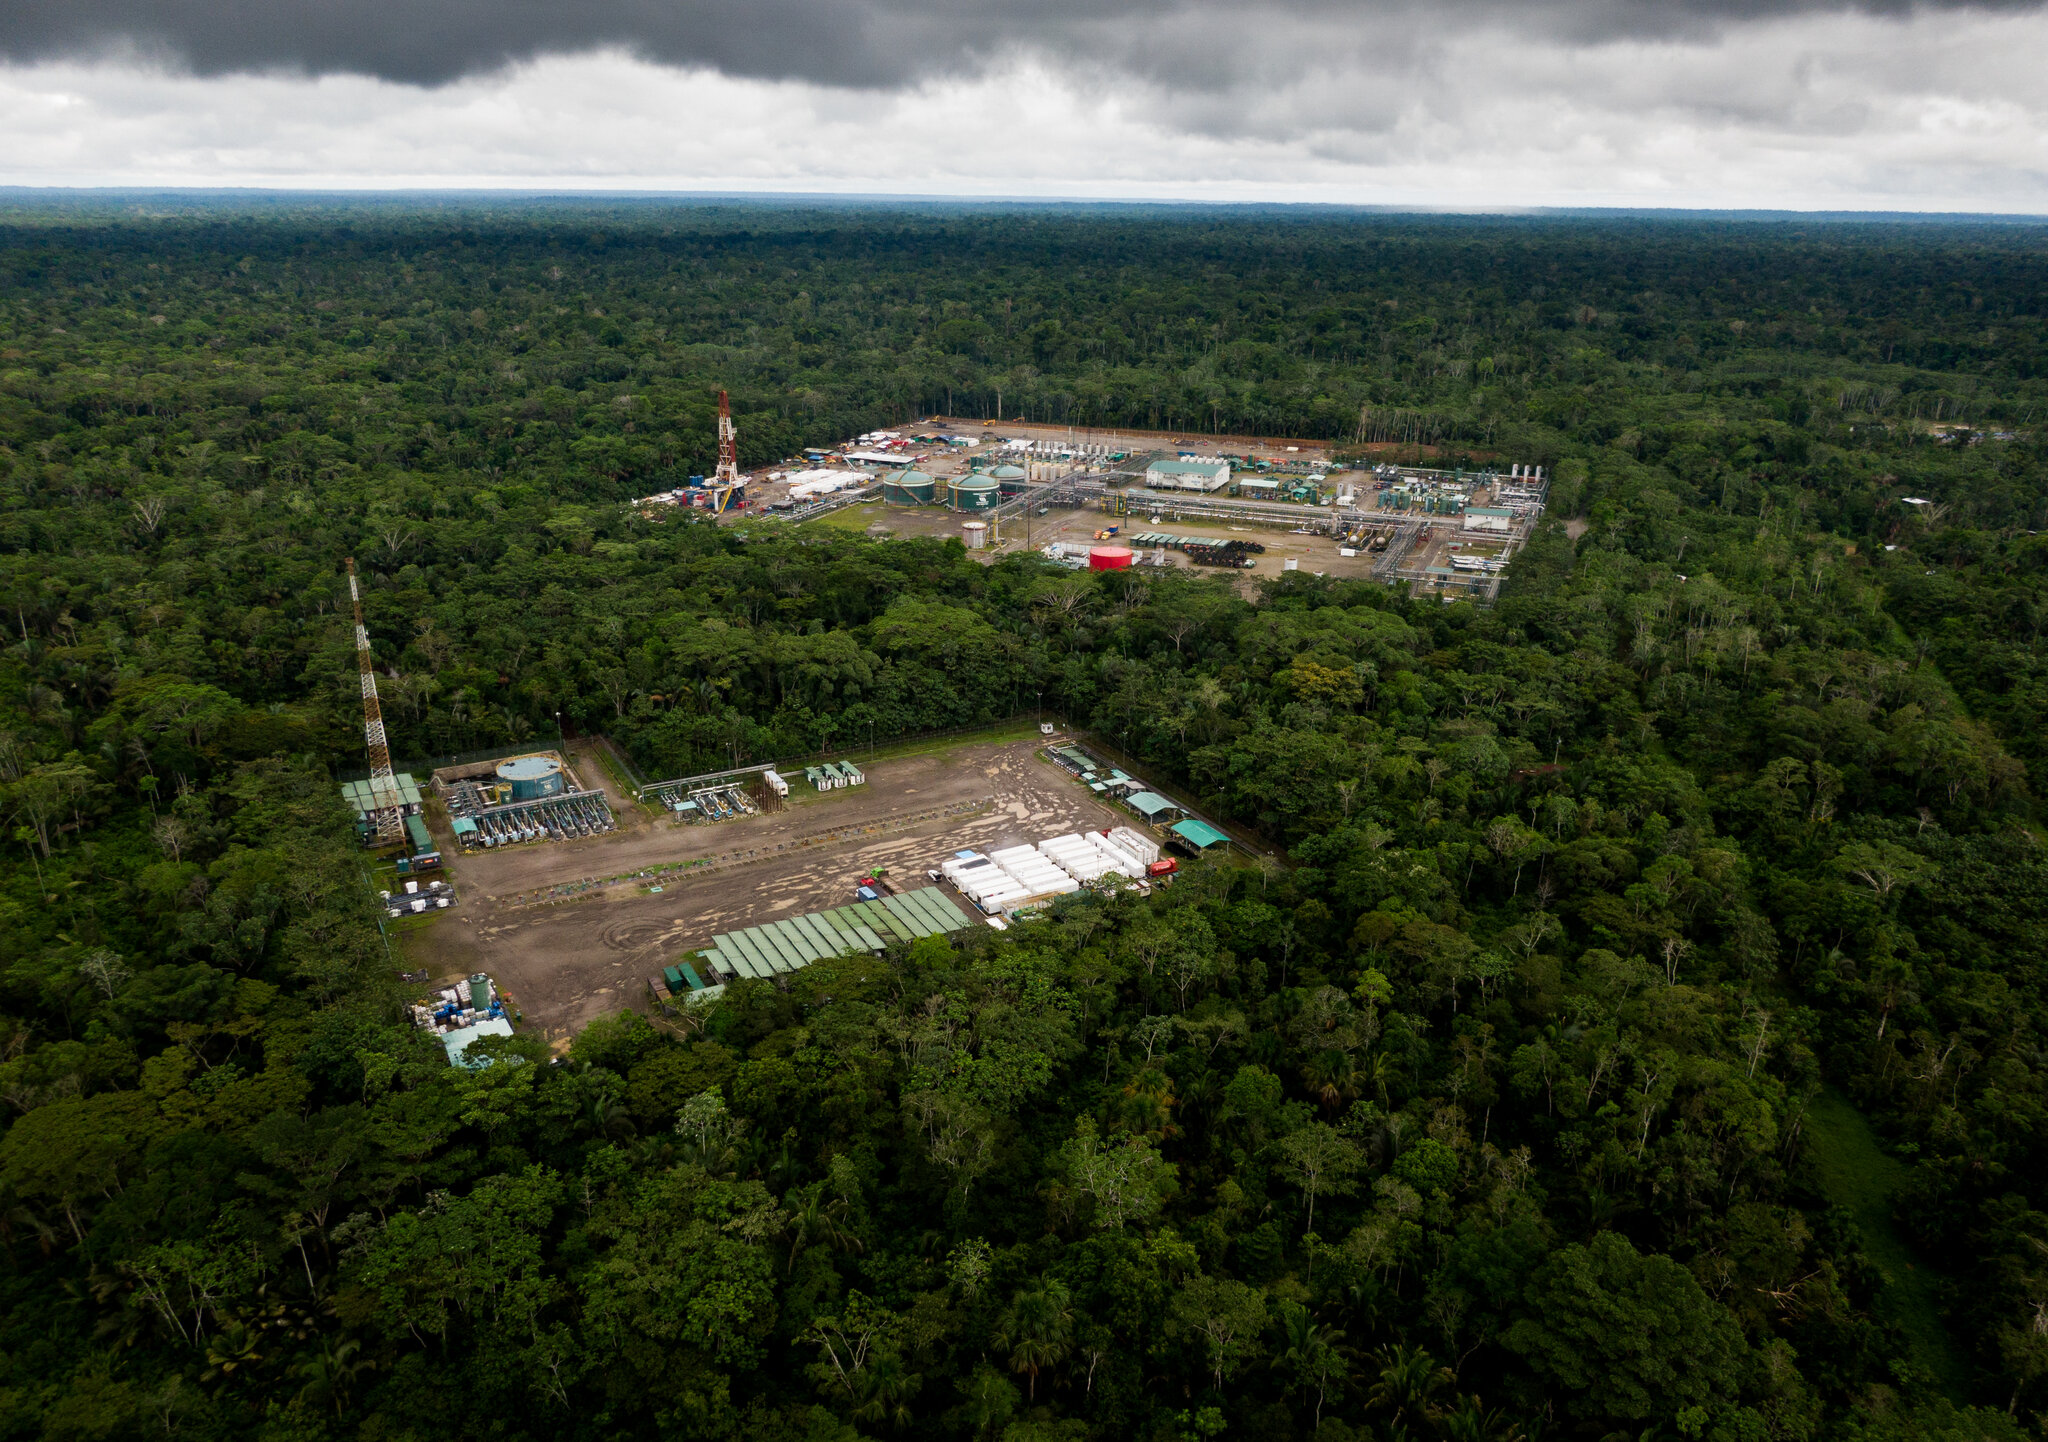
x=587 y=754
x=567 y=962
x=1316 y=554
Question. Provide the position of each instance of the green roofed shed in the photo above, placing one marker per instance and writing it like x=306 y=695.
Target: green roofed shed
x=754 y=954
x=1198 y=834
x=416 y=833
x=795 y=945
x=932 y=906
x=823 y=941
x=867 y=926
x=365 y=796
x=1150 y=804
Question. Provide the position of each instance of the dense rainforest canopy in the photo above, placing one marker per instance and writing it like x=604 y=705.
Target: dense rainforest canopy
x=1645 y=1035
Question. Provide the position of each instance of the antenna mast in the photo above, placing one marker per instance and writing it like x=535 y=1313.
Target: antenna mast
x=387 y=804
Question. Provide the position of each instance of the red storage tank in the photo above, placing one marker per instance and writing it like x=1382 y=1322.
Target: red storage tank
x=1164 y=866
x=1108 y=558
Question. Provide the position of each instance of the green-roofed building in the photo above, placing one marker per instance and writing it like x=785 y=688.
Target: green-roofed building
x=366 y=798
x=1198 y=834
x=776 y=948
x=1152 y=806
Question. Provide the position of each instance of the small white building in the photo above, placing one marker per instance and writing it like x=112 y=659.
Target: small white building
x=1188 y=475
x=1489 y=518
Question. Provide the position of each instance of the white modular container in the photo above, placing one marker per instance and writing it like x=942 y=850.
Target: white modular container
x=775 y=783
x=965 y=870
x=1075 y=857
x=1135 y=842
x=982 y=881
x=1037 y=875
x=971 y=869
x=1117 y=857
x=1049 y=882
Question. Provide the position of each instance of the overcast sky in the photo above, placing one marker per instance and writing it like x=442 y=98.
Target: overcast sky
x=1458 y=103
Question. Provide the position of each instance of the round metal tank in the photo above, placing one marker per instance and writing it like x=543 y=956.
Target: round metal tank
x=975 y=534
x=976 y=493
x=532 y=777
x=910 y=488
x=1012 y=479
x=1108 y=558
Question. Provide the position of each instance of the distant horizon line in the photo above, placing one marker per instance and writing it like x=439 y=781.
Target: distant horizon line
x=19 y=193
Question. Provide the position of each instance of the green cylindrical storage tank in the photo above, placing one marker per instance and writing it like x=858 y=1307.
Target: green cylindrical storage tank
x=977 y=493
x=911 y=488
x=532 y=777
x=1011 y=479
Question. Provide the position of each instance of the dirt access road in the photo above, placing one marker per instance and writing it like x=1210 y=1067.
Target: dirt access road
x=565 y=962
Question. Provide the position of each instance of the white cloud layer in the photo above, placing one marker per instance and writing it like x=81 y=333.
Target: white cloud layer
x=1828 y=111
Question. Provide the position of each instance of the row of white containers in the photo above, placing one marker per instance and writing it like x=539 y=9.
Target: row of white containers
x=1018 y=875
x=984 y=883
x=1087 y=855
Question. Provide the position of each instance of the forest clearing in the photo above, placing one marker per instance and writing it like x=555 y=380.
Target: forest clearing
x=567 y=958
x=1632 y=1020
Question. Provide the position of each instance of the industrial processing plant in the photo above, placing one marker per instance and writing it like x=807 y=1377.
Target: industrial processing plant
x=1451 y=531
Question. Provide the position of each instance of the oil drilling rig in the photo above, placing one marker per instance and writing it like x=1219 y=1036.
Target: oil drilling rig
x=384 y=802
x=727 y=482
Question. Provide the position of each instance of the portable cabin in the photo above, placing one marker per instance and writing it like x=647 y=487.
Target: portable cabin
x=424 y=852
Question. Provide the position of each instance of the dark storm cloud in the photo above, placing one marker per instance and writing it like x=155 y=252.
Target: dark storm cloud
x=867 y=43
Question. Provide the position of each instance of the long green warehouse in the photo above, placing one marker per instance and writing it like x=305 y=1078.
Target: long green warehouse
x=776 y=948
